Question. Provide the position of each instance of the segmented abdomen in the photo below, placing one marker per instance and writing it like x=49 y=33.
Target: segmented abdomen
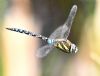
x=28 y=33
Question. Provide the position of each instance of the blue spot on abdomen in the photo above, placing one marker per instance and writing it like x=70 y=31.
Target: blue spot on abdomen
x=50 y=41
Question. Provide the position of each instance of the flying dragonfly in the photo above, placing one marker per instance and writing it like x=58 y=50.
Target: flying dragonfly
x=58 y=39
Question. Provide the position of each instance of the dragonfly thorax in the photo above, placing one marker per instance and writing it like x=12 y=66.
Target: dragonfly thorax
x=66 y=46
x=63 y=45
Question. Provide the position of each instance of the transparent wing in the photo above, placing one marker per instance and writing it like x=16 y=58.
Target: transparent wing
x=43 y=51
x=57 y=33
x=63 y=31
x=68 y=23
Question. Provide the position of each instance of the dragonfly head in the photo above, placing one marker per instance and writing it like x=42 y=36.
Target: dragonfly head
x=73 y=49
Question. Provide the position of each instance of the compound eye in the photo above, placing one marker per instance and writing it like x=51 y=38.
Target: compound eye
x=76 y=49
x=73 y=48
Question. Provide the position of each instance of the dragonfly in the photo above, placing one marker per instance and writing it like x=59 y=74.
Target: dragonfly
x=58 y=39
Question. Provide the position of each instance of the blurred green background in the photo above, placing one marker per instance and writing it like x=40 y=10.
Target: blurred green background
x=53 y=13
x=3 y=6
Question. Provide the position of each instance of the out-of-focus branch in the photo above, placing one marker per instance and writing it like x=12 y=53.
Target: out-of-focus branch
x=18 y=49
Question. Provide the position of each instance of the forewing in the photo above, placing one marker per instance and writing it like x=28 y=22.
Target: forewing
x=43 y=51
x=57 y=33
x=68 y=23
x=64 y=30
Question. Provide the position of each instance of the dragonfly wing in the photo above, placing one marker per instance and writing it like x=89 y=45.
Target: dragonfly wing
x=43 y=51
x=64 y=30
x=57 y=33
x=68 y=23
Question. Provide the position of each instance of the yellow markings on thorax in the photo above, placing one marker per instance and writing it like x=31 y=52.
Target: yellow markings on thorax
x=63 y=45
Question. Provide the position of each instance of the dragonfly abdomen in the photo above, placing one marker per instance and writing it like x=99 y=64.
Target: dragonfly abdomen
x=28 y=33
